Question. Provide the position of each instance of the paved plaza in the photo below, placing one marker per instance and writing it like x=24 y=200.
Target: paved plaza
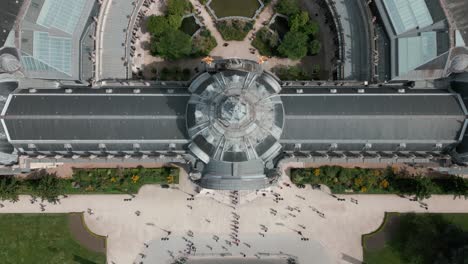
x=270 y=224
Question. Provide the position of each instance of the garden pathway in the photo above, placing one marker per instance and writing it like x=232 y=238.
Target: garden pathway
x=236 y=49
x=337 y=233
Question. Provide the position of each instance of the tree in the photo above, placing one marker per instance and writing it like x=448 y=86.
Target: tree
x=46 y=186
x=287 y=7
x=157 y=25
x=424 y=188
x=9 y=188
x=294 y=45
x=315 y=47
x=428 y=238
x=311 y=28
x=298 y=21
x=203 y=43
x=172 y=45
x=178 y=7
x=174 y=21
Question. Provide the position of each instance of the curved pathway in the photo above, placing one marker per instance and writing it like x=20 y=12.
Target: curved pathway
x=210 y=213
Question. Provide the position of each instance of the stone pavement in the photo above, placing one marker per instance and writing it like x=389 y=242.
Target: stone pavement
x=334 y=228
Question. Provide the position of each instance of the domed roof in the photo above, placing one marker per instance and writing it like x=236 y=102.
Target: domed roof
x=9 y=63
x=235 y=116
x=459 y=63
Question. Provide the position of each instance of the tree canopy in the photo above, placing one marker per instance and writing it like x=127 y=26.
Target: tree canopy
x=287 y=7
x=315 y=47
x=178 y=7
x=157 y=25
x=294 y=45
x=429 y=238
x=172 y=45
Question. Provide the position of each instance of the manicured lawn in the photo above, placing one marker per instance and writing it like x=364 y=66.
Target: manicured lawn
x=41 y=238
x=189 y=26
x=377 y=245
x=225 y=8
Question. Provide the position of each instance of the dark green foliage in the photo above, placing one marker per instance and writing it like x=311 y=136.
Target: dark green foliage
x=46 y=186
x=119 y=180
x=294 y=45
x=234 y=29
x=291 y=73
x=429 y=238
x=178 y=7
x=287 y=7
x=266 y=42
x=172 y=45
x=174 y=74
x=340 y=179
x=203 y=43
x=298 y=21
x=157 y=25
x=9 y=188
x=315 y=47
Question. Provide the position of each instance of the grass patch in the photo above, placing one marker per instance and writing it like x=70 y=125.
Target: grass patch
x=418 y=239
x=41 y=238
x=226 y=8
x=189 y=26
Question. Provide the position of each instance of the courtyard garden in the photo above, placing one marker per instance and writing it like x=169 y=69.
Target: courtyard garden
x=380 y=181
x=292 y=34
x=418 y=239
x=227 y=8
x=234 y=29
x=171 y=35
x=47 y=186
x=48 y=238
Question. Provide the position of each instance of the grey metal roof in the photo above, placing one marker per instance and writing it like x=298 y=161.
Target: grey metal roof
x=351 y=121
x=96 y=117
x=113 y=39
x=371 y=104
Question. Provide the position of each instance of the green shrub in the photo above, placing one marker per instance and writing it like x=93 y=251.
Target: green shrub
x=287 y=7
x=291 y=73
x=315 y=47
x=340 y=179
x=172 y=45
x=294 y=45
x=203 y=43
x=234 y=29
x=9 y=188
x=157 y=25
x=266 y=42
x=178 y=7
